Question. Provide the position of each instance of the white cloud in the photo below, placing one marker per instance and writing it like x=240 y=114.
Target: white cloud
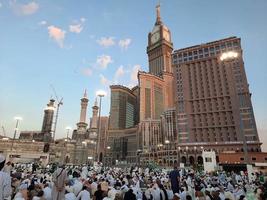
x=134 y=73
x=87 y=71
x=125 y=43
x=57 y=34
x=119 y=72
x=83 y=19
x=42 y=23
x=103 y=80
x=106 y=41
x=103 y=61
x=1 y=5
x=77 y=28
x=24 y=9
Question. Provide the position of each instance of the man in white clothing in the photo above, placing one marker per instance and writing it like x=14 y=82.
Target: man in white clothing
x=5 y=181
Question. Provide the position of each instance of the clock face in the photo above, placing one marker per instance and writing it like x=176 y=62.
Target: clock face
x=166 y=36
x=155 y=37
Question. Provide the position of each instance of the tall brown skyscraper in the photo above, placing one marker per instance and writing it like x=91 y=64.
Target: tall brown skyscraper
x=213 y=102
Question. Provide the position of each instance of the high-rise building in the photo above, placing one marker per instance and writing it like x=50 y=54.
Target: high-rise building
x=213 y=102
x=122 y=133
x=123 y=108
x=156 y=87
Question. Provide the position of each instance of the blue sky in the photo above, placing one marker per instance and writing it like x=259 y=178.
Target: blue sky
x=89 y=44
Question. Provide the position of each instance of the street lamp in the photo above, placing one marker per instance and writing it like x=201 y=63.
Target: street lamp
x=138 y=152
x=105 y=158
x=168 y=142
x=16 y=129
x=100 y=94
x=179 y=150
x=195 y=150
x=187 y=161
x=84 y=144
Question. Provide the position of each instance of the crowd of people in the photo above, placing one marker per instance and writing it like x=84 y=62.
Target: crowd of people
x=135 y=183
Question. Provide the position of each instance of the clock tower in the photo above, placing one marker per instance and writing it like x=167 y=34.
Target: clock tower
x=159 y=48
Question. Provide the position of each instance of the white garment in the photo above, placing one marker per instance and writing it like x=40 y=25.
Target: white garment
x=84 y=195
x=70 y=196
x=47 y=193
x=5 y=186
x=77 y=187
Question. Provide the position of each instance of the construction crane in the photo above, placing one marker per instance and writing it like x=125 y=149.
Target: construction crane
x=59 y=103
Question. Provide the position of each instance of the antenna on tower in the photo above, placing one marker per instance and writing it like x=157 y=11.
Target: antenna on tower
x=59 y=103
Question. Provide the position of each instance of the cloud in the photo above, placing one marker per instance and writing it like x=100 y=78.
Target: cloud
x=1 y=5
x=103 y=61
x=106 y=41
x=42 y=23
x=57 y=34
x=134 y=73
x=24 y=9
x=125 y=43
x=103 y=80
x=83 y=19
x=77 y=28
x=87 y=71
x=119 y=72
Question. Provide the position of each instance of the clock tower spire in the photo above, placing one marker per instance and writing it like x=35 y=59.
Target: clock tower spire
x=159 y=47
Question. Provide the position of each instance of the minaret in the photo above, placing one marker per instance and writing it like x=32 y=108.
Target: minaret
x=95 y=114
x=82 y=124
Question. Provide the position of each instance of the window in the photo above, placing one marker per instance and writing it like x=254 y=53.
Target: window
x=242 y=158
x=253 y=158
x=208 y=159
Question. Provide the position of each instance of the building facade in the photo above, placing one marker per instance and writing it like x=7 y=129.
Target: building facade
x=122 y=130
x=213 y=102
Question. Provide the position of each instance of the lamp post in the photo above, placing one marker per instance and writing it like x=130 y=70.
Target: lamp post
x=138 y=152
x=105 y=158
x=195 y=151
x=179 y=158
x=167 y=142
x=159 y=149
x=84 y=144
x=187 y=161
x=100 y=94
x=16 y=129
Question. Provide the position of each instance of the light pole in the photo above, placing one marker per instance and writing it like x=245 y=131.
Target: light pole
x=138 y=152
x=105 y=158
x=16 y=129
x=84 y=144
x=195 y=151
x=179 y=158
x=100 y=94
x=167 y=142
x=187 y=161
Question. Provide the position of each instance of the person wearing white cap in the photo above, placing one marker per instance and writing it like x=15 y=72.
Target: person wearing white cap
x=5 y=181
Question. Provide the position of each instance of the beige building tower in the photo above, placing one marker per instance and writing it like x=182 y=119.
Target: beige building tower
x=81 y=126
